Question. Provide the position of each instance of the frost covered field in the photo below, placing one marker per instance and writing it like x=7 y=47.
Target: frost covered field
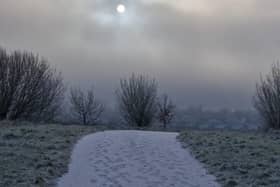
x=38 y=155
x=236 y=158
x=34 y=155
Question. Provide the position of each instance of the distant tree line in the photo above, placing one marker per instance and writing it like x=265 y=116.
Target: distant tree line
x=30 y=89
x=199 y=117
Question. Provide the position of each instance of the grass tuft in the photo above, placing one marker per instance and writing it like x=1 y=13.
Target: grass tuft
x=36 y=155
x=237 y=158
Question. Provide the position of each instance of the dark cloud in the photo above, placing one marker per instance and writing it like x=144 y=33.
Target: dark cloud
x=202 y=52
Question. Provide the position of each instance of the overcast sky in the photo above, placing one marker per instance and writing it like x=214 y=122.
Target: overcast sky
x=207 y=52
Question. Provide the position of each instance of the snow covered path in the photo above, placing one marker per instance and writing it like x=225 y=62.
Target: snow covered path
x=134 y=159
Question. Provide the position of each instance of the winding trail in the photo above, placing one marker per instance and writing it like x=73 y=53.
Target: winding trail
x=134 y=159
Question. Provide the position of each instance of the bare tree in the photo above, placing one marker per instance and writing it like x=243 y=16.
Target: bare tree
x=137 y=100
x=267 y=98
x=166 y=110
x=84 y=106
x=30 y=88
x=4 y=90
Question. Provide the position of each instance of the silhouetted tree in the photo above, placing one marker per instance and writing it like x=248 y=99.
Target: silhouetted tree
x=137 y=100
x=29 y=88
x=267 y=98
x=165 y=110
x=84 y=106
x=5 y=93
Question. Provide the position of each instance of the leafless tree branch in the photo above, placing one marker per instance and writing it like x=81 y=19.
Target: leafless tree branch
x=30 y=88
x=137 y=100
x=84 y=106
x=166 y=110
x=267 y=98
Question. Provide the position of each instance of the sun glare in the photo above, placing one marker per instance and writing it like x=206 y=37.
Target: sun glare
x=121 y=9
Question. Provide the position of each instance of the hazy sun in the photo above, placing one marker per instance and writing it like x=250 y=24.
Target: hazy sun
x=121 y=9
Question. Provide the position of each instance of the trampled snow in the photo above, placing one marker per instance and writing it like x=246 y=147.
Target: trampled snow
x=134 y=159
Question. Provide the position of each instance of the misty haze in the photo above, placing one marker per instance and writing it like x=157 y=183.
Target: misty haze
x=130 y=93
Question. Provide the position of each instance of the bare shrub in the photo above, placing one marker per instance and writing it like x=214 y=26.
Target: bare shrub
x=137 y=100
x=165 y=110
x=4 y=86
x=267 y=98
x=84 y=106
x=30 y=88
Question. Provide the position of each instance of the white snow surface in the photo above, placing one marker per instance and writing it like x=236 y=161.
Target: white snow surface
x=134 y=159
